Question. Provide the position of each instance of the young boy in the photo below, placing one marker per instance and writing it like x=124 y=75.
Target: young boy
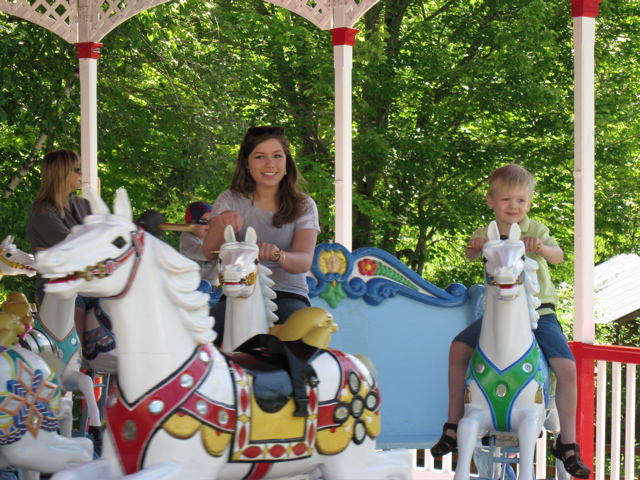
x=191 y=243
x=509 y=195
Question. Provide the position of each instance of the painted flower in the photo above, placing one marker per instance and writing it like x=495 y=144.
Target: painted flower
x=367 y=267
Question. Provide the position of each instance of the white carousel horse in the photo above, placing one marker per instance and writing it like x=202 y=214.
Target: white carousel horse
x=245 y=283
x=508 y=381
x=180 y=409
x=30 y=400
x=55 y=320
x=14 y=261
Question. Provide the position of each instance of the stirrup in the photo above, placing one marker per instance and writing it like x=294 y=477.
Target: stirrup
x=573 y=464
x=447 y=443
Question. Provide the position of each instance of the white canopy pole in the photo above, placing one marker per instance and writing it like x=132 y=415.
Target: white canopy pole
x=339 y=16
x=88 y=54
x=344 y=39
x=584 y=13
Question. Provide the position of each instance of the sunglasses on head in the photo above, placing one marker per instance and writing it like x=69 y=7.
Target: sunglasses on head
x=76 y=170
x=256 y=131
x=202 y=221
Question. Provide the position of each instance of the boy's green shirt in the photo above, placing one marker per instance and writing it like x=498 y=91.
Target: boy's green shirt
x=531 y=228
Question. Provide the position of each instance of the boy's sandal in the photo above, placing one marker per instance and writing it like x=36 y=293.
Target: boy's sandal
x=573 y=464
x=447 y=443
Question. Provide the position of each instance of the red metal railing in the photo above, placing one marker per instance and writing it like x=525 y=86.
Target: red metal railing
x=586 y=356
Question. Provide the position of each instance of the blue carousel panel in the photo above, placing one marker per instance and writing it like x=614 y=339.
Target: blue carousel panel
x=373 y=275
x=403 y=324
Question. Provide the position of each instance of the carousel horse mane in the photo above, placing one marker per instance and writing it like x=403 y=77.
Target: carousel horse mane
x=532 y=288
x=267 y=292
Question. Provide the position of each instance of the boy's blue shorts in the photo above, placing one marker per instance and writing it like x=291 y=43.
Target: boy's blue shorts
x=548 y=334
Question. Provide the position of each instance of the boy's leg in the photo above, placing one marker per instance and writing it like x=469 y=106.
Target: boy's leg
x=566 y=401
x=460 y=353
x=459 y=357
x=566 y=396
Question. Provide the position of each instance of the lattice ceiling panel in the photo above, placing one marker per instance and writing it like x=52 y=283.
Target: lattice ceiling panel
x=62 y=17
x=328 y=14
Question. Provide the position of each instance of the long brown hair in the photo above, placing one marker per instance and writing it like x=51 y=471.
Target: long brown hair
x=56 y=166
x=291 y=199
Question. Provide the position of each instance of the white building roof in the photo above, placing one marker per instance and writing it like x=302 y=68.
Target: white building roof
x=617 y=289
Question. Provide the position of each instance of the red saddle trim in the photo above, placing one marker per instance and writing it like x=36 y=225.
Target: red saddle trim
x=133 y=426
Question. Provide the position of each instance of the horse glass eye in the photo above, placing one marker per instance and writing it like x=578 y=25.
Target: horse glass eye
x=8 y=255
x=119 y=242
x=256 y=261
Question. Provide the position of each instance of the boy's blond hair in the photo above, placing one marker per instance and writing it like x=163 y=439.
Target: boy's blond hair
x=509 y=177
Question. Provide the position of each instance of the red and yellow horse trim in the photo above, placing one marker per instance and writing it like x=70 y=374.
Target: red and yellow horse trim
x=354 y=414
x=175 y=406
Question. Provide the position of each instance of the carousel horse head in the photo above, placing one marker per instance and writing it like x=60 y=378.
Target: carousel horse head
x=246 y=284
x=14 y=261
x=508 y=272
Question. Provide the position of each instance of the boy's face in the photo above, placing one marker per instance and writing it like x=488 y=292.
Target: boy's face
x=200 y=231
x=509 y=206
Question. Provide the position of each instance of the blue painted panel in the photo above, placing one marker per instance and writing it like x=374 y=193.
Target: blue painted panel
x=404 y=324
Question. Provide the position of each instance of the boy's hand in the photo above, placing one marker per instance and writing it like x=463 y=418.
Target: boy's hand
x=474 y=247
x=532 y=244
x=476 y=244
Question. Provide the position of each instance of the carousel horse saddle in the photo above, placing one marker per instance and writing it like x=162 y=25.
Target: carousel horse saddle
x=281 y=370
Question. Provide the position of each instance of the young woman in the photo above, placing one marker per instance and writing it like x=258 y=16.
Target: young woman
x=55 y=210
x=265 y=194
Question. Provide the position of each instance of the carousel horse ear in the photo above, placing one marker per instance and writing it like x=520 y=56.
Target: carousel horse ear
x=122 y=204
x=229 y=234
x=7 y=241
x=251 y=235
x=493 y=233
x=98 y=207
x=514 y=233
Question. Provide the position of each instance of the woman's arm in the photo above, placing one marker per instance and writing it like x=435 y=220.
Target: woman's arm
x=299 y=258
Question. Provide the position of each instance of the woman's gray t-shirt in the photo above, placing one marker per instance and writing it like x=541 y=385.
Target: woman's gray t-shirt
x=282 y=237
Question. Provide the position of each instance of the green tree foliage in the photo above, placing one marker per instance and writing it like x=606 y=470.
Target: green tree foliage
x=444 y=92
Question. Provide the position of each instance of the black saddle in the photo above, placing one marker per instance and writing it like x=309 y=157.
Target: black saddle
x=281 y=370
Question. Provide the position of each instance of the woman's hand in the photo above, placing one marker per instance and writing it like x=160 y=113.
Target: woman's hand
x=268 y=251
